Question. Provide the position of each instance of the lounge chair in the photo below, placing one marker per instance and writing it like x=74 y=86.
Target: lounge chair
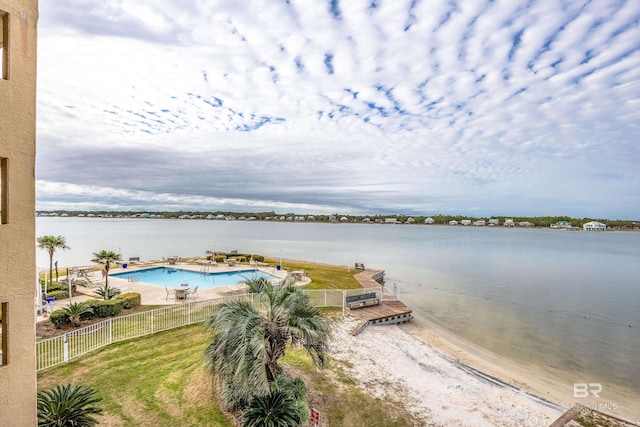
x=193 y=292
x=170 y=292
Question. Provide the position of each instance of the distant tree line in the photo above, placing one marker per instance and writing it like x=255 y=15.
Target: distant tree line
x=538 y=221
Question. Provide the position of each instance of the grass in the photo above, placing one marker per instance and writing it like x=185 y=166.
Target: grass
x=322 y=276
x=160 y=380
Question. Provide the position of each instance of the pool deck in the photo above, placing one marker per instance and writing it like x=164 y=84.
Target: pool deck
x=156 y=294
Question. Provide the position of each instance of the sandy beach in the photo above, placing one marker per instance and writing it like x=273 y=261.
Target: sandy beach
x=391 y=361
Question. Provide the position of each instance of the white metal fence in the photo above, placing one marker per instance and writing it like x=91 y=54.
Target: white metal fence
x=61 y=349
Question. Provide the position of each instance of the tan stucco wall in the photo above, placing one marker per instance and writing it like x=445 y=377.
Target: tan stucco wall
x=17 y=236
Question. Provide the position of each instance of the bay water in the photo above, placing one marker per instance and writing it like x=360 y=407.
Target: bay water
x=565 y=302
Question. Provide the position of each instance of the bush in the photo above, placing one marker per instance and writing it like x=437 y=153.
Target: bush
x=102 y=308
x=59 y=294
x=131 y=299
x=59 y=318
x=219 y=258
x=258 y=258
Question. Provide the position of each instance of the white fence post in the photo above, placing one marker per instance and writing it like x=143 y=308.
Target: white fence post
x=189 y=314
x=65 y=347
x=110 y=330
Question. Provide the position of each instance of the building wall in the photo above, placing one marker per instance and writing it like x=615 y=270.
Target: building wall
x=17 y=195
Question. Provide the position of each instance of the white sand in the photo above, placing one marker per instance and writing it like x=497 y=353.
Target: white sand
x=390 y=363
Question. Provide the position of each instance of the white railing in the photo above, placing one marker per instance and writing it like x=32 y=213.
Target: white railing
x=61 y=349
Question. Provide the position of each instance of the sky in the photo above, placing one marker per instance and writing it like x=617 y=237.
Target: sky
x=478 y=108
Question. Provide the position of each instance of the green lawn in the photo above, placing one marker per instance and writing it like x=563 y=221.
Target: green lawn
x=158 y=380
x=322 y=276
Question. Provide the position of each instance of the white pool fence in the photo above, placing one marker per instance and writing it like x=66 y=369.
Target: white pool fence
x=70 y=345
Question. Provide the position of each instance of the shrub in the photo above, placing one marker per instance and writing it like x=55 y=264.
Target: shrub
x=59 y=318
x=258 y=258
x=131 y=299
x=219 y=258
x=59 y=294
x=102 y=308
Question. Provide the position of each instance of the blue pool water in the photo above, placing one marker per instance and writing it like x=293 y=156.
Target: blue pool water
x=166 y=276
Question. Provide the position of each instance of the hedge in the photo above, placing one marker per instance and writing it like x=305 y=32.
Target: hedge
x=59 y=318
x=258 y=258
x=102 y=308
x=131 y=299
x=58 y=294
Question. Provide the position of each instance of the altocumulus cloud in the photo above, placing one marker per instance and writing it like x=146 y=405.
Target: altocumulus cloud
x=495 y=107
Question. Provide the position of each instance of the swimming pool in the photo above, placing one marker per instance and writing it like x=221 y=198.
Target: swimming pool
x=172 y=277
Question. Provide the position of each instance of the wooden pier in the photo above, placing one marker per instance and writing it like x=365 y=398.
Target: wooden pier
x=389 y=311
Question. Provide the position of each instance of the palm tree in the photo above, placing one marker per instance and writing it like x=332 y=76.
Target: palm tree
x=257 y=284
x=106 y=258
x=67 y=406
x=247 y=343
x=75 y=310
x=275 y=409
x=51 y=243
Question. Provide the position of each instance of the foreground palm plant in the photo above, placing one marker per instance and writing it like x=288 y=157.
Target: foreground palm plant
x=275 y=409
x=75 y=310
x=247 y=343
x=258 y=284
x=68 y=406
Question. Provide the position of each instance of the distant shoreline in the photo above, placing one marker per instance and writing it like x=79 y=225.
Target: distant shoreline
x=611 y=225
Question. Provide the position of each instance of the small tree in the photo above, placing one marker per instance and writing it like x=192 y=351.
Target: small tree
x=68 y=406
x=106 y=258
x=75 y=310
x=51 y=243
x=247 y=343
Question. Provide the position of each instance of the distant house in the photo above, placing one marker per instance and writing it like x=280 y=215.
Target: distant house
x=332 y=218
x=524 y=224
x=508 y=223
x=311 y=218
x=366 y=220
x=391 y=221
x=465 y=222
x=594 y=226
x=494 y=222
x=344 y=219
x=480 y=223
x=561 y=224
x=409 y=221
x=453 y=222
x=429 y=221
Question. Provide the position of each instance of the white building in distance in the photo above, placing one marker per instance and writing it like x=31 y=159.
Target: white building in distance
x=594 y=226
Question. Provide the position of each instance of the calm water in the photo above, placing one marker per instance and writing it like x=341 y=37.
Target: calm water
x=173 y=277
x=557 y=300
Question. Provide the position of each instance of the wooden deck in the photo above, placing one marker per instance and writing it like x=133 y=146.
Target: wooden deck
x=389 y=311
x=386 y=309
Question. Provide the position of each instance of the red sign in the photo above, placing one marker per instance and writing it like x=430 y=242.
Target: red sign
x=315 y=416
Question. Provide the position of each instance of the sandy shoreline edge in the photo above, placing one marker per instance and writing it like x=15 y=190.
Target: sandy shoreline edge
x=446 y=381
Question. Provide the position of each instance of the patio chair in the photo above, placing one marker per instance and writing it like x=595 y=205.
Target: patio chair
x=193 y=292
x=170 y=292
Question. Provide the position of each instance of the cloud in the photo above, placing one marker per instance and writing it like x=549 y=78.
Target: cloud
x=486 y=107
